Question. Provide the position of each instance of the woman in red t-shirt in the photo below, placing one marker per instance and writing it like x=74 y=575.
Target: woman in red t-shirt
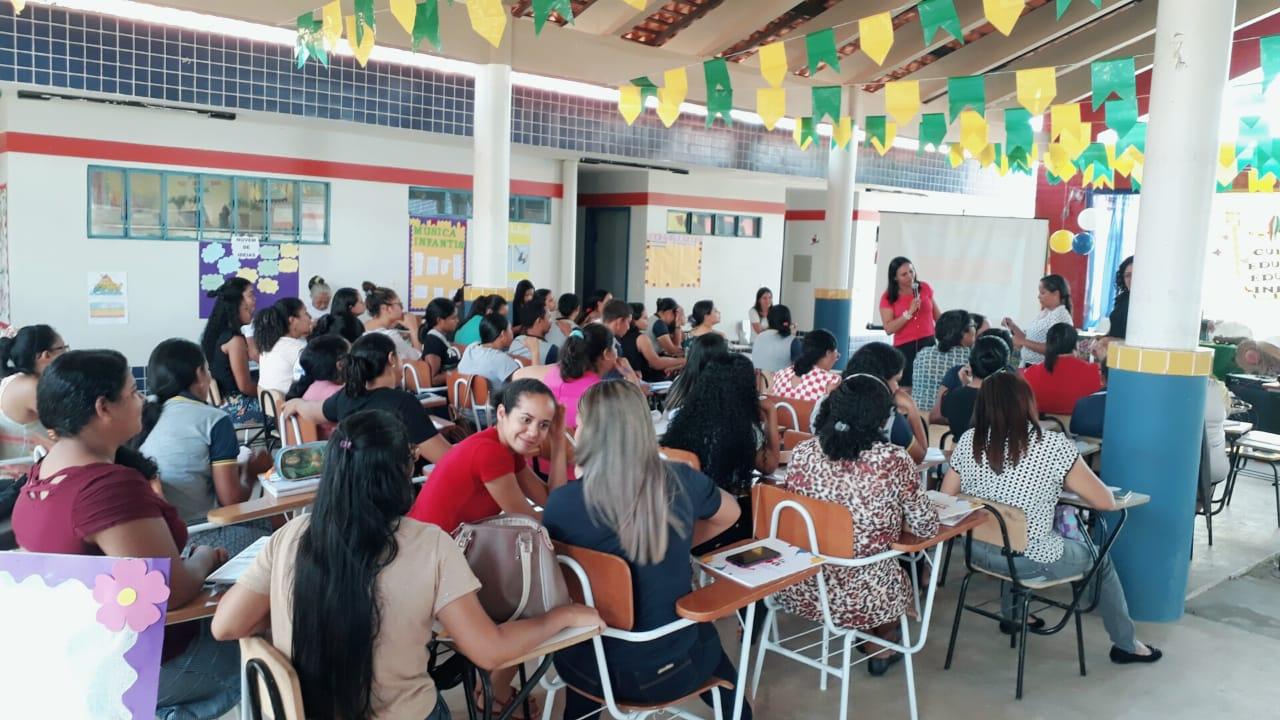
x=908 y=311
x=90 y=496
x=1062 y=379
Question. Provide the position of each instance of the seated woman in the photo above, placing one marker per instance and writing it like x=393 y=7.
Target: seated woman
x=227 y=351
x=704 y=319
x=775 y=348
x=667 y=328
x=587 y=356
x=1062 y=379
x=343 y=319
x=371 y=381
x=437 y=349
x=522 y=296
x=592 y=309
x=83 y=499
x=990 y=355
x=532 y=344
x=958 y=375
x=319 y=296
x=280 y=331
x=470 y=331
x=1007 y=458
x=851 y=464
x=563 y=324
x=810 y=376
x=194 y=445
x=701 y=352
x=23 y=358
x=321 y=375
x=759 y=312
x=650 y=513
x=382 y=578
x=882 y=360
x=387 y=316
x=639 y=350
x=955 y=333
x=489 y=358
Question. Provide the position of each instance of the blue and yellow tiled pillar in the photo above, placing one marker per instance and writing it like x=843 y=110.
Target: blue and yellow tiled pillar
x=832 y=310
x=1151 y=444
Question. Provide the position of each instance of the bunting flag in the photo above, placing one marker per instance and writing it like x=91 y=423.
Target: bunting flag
x=1122 y=115
x=1037 y=88
x=647 y=88
x=1136 y=138
x=806 y=132
x=773 y=63
x=488 y=19
x=1064 y=117
x=404 y=11
x=1076 y=141
x=956 y=156
x=1113 y=77
x=771 y=105
x=966 y=92
x=1018 y=133
x=365 y=20
x=361 y=50
x=310 y=42
x=973 y=132
x=1064 y=4
x=19 y=6
x=877 y=132
x=821 y=47
x=936 y=14
x=902 y=100
x=542 y=9
x=719 y=90
x=331 y=28
x=630 y=102
x=426 y=24
x=637 y=4
x=883 y=145
x=1003 y=14
x=933 y=130
x=842 y=133
x=988 y=155
x=826 y=102
x=875 y=36
x=1269 y=49
x=675 y=87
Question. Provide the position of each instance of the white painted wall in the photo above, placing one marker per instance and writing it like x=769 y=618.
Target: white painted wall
x=51 y=253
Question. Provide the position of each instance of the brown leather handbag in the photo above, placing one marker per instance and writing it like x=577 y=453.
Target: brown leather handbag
x=514 y=560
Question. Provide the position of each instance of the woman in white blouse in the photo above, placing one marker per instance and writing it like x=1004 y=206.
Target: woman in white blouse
x=1055 y=307
x=1006 y=457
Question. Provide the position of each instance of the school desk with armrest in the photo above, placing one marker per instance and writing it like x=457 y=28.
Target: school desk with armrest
x=264 y=670
x=265 y=506
x=793 y=414
x=681 y=456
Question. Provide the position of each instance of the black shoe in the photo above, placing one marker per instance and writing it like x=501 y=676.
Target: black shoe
x=1120 y=657
x=1009 y=627
x=878 y=666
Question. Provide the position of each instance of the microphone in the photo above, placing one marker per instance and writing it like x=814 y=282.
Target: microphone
x=915 y=289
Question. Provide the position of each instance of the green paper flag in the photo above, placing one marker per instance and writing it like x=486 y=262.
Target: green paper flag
x=647 y=88
x=1113 y=76
x=543 y=9
x=1018 y=133
x=1136 y=137
x=364 y=19
x=821 y=47
x=933 y=130
x=936 y=14
x=1019 y=160
x=1270 y=51
x=966 y=92
x=1064 y=4
x=826 y=103
x=426 y=24
x=808 y=130
x=310 y=42
x=876 y=128
x=1053 y=179
x=719 y=91
x=1122 y=115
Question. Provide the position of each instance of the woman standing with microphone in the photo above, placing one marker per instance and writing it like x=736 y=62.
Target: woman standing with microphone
x=908 y=311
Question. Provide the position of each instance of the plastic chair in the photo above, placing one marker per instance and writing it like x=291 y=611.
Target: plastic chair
x=264 y=669
x=603 y=581
x=468 y=398
x=215 y=399
x=681 y=456
x=270 y=400
x=792 y=438
x=299 y=431
x=797 y=414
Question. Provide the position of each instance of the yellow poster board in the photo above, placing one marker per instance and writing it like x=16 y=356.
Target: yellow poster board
x=437 y=259
x=519 y=238
x=672 y=261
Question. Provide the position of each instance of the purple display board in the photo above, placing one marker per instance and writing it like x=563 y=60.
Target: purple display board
x=93 y=626
x=271 y=267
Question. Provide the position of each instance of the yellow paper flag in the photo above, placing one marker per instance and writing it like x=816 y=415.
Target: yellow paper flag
x=1137 y=172
x=1124 y=164
x=19 y=6
x=973 y=132
x=842 y=133
x=956 y=156
x=1077 y=141
x=488 y=19
x=404 y=11
x=771 y=105
x=629 y=102
x=988 y=155
x=674 y=91
x=1003 y=14
x=1002 y=165
x=773 y=63
x=331 y=29
x=890 y=134
x=363 y=50
x=902 y=100
x=795 y=135
x=1226 y=154
x=637 y=4
x=875 y=36
x=1063 y=118
x=1037 y=88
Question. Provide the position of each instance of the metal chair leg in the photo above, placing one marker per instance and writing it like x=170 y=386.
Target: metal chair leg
x=1080 y=642
x=1022 y=645
x=946 y=563
x=955 y=624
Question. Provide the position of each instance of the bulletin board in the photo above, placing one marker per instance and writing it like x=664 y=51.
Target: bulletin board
x=437 y=258
x=519 y=240
x=672 y=261
x=271 y=268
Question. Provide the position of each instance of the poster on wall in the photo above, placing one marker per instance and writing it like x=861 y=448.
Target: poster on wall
x=272 y=269
x=437 y=258
x=98 y=620
x=519 y=237
x=108 y=295
x=4 y=256
x=1242 y=269
x=672 y=261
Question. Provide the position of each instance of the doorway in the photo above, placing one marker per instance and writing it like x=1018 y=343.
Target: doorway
x=607 y=240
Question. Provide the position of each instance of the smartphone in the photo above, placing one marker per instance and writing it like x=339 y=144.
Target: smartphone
x=754 y=556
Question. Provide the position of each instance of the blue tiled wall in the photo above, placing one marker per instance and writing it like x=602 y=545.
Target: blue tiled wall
x=80 y=51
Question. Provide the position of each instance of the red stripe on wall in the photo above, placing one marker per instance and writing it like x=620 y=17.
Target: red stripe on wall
x=637 y=199
x=819 y=215
x=110 y=150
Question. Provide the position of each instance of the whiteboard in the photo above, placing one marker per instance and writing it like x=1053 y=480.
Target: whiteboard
x=987 y=265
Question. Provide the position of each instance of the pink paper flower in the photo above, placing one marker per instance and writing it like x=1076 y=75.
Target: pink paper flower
x=130 y=595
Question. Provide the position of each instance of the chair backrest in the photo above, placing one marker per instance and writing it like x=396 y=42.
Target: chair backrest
x=1015 y=522
x=459 y=391
x=274 y=690
x=417 y=375
x=271 y=401
x=215 y=393
x=832 y=523
x=610 y=578
x=792 y=438
x=681 y=456
x=299 y=431
x=795 y=414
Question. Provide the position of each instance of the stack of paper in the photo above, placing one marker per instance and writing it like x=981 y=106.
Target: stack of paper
x=231 y=571
x=951 y=509
x=790 y=561
x=278 y=487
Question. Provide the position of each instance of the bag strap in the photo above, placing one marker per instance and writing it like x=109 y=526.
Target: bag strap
x=525 y=548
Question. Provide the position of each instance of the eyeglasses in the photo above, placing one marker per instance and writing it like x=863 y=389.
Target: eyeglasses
x=58 y=349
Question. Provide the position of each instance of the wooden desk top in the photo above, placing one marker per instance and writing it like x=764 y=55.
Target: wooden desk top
x=200 y=607
x=909 y=543
x=1236 y=427
x=1135 y=499
x=433 y=401
x=561 y=640
x=265 y=506
x=724 y=596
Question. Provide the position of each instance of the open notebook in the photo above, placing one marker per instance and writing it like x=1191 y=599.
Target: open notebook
x=951 y=509
x=231 y=571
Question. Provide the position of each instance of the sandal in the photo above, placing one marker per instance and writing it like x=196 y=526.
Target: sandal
x=500 y=704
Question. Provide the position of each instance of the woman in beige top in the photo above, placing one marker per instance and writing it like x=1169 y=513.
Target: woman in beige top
x=362 y=567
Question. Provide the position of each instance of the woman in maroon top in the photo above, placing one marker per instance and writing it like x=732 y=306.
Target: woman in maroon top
x=80 y=500
x=1062 y=379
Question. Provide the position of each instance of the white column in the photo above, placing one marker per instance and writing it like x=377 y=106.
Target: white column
x=491 y=183
x=568 y=256
x=1193 y=46
x=863 y=280
x=837 y=230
